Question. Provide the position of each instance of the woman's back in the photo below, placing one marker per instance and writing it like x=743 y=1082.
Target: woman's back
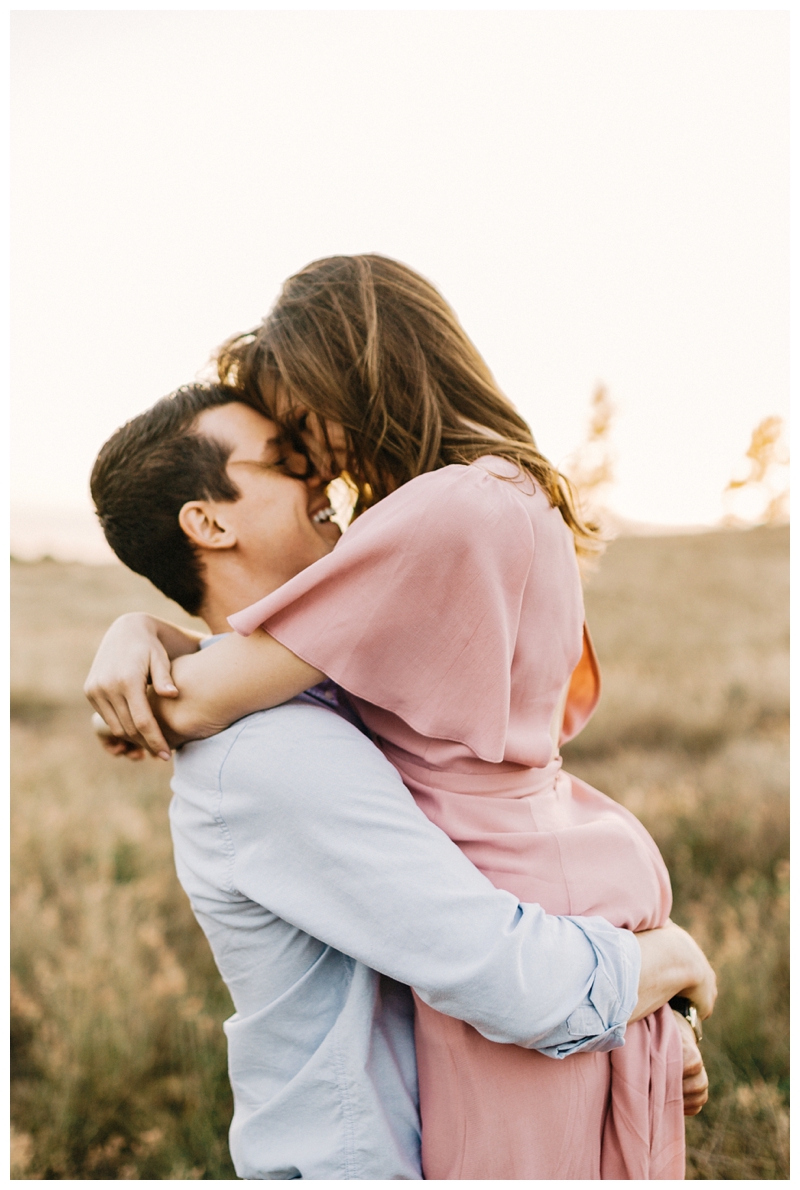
x=451 y=612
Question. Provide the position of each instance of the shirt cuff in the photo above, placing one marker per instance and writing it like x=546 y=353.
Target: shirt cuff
x=598 y=1023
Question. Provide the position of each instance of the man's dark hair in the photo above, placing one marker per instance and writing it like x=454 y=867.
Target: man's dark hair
x=144 y=475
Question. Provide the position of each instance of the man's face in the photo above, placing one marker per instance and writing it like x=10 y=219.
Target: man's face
x=274 y=517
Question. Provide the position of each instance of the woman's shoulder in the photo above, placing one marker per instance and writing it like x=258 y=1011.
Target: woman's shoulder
x=457 y=506
x=489 y=486
x=489 y=479
x=502 y=475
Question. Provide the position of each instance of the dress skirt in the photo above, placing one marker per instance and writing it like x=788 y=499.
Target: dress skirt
x=500 y=1111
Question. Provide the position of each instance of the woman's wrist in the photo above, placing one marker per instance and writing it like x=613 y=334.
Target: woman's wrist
x=176 y=640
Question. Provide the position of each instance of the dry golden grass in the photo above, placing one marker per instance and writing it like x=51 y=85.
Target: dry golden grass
x=118 y=1055
x=119 y=1062
x=692 y=736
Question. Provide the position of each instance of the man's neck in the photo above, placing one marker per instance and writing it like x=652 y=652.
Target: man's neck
x=216 y=626
x=229 y=588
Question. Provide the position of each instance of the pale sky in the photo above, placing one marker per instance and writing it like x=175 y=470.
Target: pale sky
x=601 y=197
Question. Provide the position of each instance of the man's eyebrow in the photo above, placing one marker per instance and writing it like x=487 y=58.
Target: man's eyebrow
x=270 y=457
x=271 y=448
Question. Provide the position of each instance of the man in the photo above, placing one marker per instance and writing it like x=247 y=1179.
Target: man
x=322 y=888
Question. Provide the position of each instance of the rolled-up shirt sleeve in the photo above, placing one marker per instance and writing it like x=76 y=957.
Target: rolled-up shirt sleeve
x=598 y=1024
x=320 y=830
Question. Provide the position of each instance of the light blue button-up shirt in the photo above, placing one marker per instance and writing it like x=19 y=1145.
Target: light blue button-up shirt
x=323 y=889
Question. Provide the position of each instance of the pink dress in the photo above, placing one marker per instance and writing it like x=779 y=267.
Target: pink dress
x=452 y=613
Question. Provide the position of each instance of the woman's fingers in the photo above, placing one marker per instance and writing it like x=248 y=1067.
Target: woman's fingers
x=113 y=744
x=142 y=726
x=117 y=747
x=130 y=656
x=122 y=714
x=161 y=672
x=130 y=717
x=106 y=715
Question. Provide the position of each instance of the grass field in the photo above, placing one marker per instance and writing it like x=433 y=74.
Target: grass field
x=118 y=1057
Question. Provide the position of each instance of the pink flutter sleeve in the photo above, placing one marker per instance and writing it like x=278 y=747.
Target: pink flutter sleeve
x=417 y=608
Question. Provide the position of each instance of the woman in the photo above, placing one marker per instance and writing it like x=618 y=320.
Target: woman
x=452 y=614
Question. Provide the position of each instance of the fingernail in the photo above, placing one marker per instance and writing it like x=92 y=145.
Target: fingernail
x=165 y=755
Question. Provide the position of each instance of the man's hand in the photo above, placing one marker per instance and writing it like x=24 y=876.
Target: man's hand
x=695 y=1079
x=701 y=989
x=673 y=965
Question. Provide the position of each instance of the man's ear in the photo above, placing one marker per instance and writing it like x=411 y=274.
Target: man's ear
x=205 y=524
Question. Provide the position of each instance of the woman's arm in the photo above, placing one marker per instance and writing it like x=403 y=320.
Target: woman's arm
x=137 y=651
x=237 y=676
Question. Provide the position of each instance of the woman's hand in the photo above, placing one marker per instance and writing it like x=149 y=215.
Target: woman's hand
x=137 y=651
x=673 y=965
x=116 y=745
x=695 y=1079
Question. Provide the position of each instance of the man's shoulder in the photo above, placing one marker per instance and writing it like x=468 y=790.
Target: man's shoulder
x=288 y=732
x=274 y=771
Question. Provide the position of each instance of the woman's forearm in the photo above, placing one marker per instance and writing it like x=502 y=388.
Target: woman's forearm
x=229 y=679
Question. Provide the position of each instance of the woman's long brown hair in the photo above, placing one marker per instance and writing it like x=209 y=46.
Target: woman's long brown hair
x=366 y=342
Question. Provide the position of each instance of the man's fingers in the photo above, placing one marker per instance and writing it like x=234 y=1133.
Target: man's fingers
x=696 y=1085
x=703 y=994
x=695 y=1079
x=692 y=1065
x=690 y=1051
